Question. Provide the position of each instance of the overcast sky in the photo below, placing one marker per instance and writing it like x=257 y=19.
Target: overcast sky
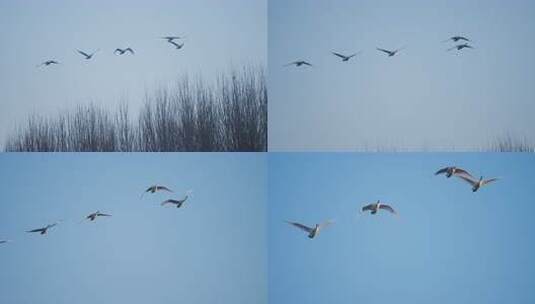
x=424 y=97
x=220 y=35
x=448 y=244
x=211 y=250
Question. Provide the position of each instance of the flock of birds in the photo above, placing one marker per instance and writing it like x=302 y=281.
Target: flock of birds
x=461 y=43
x=93 y=216
x=374 y=208
x=118 y=51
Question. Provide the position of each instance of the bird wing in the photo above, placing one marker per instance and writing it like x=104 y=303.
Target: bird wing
x=130 y=50
x=490 y=180
x=103 y=214
x=163 y=188
x=37 y=230
x=118 y=50
x=169 y=201
x=383 y=50
x=306 y=63
x=300 y=226
x=339 y=55
x=291 y=63
x=326 y=223
x=468 y=179
x=83 y=53
x=442 y=171
x=367 y=208
x=387 y=208
x=459 y=171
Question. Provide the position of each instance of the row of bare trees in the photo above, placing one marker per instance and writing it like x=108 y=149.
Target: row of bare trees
x=230 y=115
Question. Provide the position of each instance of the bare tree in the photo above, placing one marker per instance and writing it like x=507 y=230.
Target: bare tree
x=228 y=116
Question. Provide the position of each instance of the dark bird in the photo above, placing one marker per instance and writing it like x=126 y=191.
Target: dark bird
x=178 y=203
x=177 y=46
x=48 y=62
x=457 y=38
x=344 y=57
x=298 y=63
x=87 y=56
x=171 y=38
x=93 y=216
x=312 y=231
x=44 y=230
x=449 y=171
x=374 y=207
x=476 y=184
x=390 y=53
x=155 y=188
x=460 y=47
x=4 y=241
x=121 y=51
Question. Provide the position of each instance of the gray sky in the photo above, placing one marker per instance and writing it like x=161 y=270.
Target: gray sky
x=424 y=97
x=211 y=250
x=219 y=36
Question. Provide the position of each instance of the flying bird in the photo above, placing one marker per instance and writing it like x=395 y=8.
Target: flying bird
x=298 y=63
x=4 y=241
x=449 y=171
x=178 y=46
x=43 y=230
x=374 y=207
x=390 y=53
x=93 y=216
x=87 y=56
x=460 y=47
x=476 y=184
x=344 y=57
x=122 y=51
x=171 y=38
x=48 y=62
x=156 y=188
x=457 y=38
x=312 y=231
x=178 y=203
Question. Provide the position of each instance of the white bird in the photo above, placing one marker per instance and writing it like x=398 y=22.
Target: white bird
x=390 y=53
x=87 y=56
x=93 y=216
x=298 y=63
x=312 y=231
x=48 y=62
x=44 y=230
x=177 y=46
x=374 y=207
x=156 y=188
x=344 y=57
x=178 y=203
x=476 y=184
x=449 y=171
x=122 y=51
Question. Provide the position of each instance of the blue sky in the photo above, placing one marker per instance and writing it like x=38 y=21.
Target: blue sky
x=448 y=245
x=425 y=98
x=212 y=250
x=219 y=36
